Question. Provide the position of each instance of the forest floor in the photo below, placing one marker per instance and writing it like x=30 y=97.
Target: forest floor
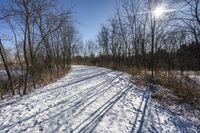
x=92 y=99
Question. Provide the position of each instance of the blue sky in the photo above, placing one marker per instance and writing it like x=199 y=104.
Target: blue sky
x=89 y=15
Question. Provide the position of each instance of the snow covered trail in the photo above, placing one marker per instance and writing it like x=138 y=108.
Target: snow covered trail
x=91 y=99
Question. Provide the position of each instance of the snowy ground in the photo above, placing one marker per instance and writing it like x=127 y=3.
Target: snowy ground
x=91 y=99
x=195 y=78
x=14 y=73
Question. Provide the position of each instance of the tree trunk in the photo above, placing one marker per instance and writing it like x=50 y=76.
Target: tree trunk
x=2 y=53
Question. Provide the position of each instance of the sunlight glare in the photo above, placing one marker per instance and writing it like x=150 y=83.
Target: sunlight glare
x=159 y=11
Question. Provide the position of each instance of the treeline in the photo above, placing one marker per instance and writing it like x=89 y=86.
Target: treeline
x=137 y=36
x=43 y=37
x=155 y=39
x=185 y=58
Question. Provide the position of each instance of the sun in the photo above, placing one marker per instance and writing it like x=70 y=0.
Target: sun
x=159 y=11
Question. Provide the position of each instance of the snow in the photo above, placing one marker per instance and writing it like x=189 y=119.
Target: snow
x=14 y=72
x=91 y=99
x=195 y=78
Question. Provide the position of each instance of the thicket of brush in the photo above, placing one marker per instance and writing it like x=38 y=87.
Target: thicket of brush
x=43 y=40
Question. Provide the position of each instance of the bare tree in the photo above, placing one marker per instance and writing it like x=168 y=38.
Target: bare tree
x=44 y=39
x=2 y=53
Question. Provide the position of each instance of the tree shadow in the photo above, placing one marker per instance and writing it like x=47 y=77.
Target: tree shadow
x=40 y=92
x=145 y=100
x=90 y=123
x=75 y=99
x=149 y=109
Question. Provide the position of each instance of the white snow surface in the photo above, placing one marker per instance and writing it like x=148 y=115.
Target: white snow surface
x=91 y=99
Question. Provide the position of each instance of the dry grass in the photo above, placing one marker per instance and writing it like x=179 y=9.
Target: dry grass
x=183 y=88
x=171 y=91
x=41 y=80
x=47 y=78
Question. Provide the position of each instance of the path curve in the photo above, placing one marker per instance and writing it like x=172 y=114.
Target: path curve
x=90 y=99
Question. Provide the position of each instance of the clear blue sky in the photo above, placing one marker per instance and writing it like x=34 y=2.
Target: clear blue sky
x=89 y=15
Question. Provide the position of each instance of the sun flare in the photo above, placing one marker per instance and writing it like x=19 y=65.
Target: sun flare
x=159 y=11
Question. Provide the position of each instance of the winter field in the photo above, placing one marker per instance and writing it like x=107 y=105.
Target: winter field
x=91 y=99
x=15 y=73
